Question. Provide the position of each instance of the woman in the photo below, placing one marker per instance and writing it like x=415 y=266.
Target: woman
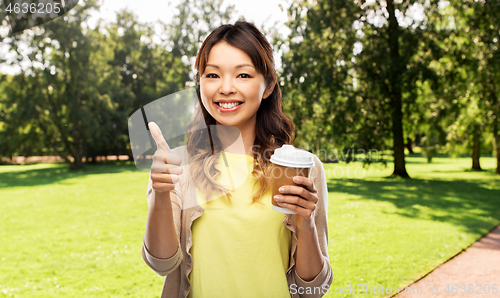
x=235 y=245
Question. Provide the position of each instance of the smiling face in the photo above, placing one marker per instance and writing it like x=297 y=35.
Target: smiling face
x=230 y=77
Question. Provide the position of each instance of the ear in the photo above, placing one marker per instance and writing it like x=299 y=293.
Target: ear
x=269 y=91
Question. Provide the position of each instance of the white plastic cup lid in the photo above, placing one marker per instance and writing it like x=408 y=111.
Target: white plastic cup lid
x=288 y=156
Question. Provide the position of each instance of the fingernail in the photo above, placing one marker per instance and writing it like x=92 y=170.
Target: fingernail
x=282 y=189
x=276 y=197
x=296 y=179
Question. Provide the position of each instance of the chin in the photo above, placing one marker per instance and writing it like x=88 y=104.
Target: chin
x=226 y=123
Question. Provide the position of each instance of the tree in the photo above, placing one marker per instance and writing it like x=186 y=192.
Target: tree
x=154 y=63
x=486 y=28
x=81 y=85
x=360 y=65
x=60 y=92
x=19 y=135
x=475 y=58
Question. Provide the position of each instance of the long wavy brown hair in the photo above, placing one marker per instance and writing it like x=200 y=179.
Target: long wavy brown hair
x=272 y=130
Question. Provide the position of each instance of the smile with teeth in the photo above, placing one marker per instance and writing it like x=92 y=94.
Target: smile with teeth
x=228 y=105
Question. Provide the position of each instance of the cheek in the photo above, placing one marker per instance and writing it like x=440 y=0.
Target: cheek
x=260 y=89
x=205 y=92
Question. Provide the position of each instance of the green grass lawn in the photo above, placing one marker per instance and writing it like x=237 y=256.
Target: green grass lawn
x=390 y=232
x=79 y=233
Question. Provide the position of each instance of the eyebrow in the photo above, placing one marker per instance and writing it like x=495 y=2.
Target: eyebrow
x=237 y=66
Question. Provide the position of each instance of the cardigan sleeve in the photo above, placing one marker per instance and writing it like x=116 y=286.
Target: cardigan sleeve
x=321 y=283
x=165 y=266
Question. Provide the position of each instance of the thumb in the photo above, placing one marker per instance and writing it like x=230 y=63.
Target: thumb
x=157 y=135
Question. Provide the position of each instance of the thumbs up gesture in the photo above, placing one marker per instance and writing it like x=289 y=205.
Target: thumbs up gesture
x=165 y=170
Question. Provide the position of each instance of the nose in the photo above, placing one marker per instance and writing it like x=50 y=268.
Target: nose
x=227 y=86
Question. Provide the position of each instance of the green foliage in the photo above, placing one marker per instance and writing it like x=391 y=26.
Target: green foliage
x=81 y=85
x=469 y=74
x=57 y=93
x=354 y=77
x=368 y=76
x=371 y=73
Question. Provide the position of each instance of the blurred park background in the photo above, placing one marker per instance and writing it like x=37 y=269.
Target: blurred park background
x=413 y=84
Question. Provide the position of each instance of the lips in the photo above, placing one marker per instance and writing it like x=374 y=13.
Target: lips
x=228 y=105
x=230 y=109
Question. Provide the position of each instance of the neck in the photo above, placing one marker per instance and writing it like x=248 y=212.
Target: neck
x=237 y=140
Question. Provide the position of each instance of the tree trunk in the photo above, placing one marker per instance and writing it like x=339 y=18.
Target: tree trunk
x=497 y=149
x=77 y=163
x=476 y=148
x=78 y=154
x=398 y=140
x=418 y=140
x=130 y=154
x=496 y=119
x=396 y=94
x=408 y=145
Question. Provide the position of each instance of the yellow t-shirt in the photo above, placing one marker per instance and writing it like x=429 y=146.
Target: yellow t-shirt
x=239 y=249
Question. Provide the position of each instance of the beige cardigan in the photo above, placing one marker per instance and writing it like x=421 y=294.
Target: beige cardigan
x=186 y=209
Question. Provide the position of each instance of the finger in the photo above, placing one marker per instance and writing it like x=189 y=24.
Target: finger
x=306 y=182
x=161 y=187
x=167 y=158
x=295 y=200
x=164 y=178
x=299 y=191
x=158 y=136
x=161 y=167
x=301 y=210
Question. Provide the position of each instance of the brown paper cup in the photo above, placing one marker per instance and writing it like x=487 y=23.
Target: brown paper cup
x=281 y=175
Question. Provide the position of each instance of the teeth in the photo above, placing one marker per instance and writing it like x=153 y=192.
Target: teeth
x=228 y=105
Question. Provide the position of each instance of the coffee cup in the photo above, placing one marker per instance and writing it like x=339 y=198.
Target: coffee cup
x=288 y=162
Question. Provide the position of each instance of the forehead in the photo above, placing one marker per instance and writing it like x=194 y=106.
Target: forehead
x=223 y=54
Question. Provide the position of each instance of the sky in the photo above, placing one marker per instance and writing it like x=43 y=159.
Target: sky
x=257 y=11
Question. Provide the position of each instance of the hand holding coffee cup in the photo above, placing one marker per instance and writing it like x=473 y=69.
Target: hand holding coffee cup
x=293 y=191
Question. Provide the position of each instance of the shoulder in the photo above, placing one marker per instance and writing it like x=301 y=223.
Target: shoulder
x=316 y=159
x=317 y=162
x=318 y=171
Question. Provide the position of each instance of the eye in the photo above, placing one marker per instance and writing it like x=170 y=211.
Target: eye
x=245 y=76
x=211 y=76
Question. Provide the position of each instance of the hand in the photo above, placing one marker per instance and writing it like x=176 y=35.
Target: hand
x=165 y=169
x=302 y=199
